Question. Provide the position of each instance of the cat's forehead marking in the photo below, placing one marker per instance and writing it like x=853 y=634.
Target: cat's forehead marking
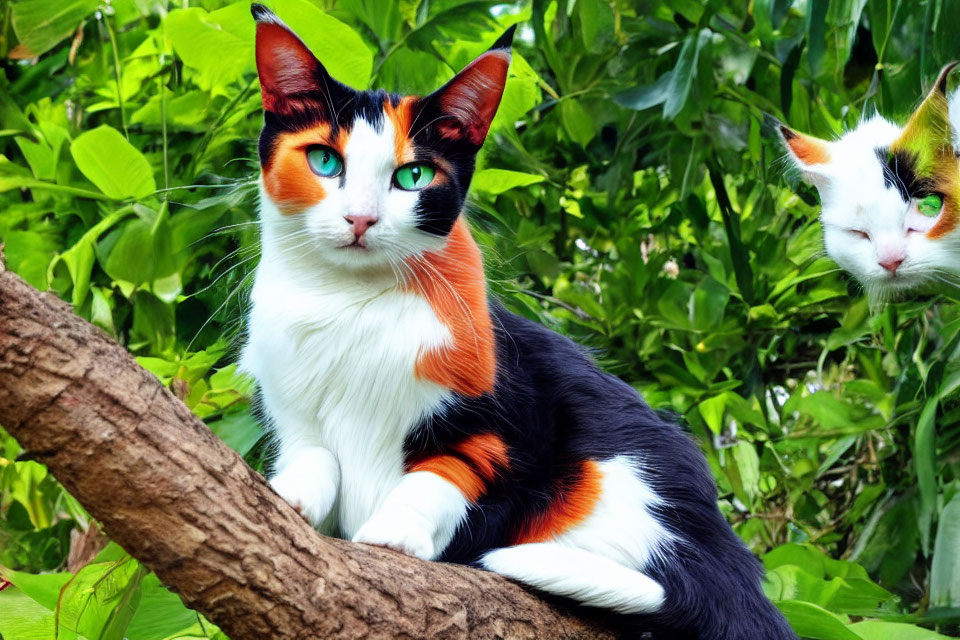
x=401 y=115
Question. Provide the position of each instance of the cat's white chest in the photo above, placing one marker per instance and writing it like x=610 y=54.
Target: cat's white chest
x=335 y=363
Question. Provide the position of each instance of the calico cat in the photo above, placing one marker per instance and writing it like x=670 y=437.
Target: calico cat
x=413 y=412
x=890 y=196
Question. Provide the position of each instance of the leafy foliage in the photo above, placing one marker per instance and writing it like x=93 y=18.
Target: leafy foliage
x=630 y=196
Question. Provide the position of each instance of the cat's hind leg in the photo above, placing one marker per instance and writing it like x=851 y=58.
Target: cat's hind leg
x=587 y=577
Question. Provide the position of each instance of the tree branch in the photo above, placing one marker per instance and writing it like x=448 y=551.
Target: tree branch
x=188 y=507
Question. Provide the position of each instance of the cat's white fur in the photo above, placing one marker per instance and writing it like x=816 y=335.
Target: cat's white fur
x=866 y=223
x=333 y=341
x=621 y=531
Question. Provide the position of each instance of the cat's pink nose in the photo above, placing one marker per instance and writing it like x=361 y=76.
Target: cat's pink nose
x=361 y=223
x=891 y=264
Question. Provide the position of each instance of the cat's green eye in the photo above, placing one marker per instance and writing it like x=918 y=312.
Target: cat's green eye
x=414 y=177
x=930 y=205
x=324 y=161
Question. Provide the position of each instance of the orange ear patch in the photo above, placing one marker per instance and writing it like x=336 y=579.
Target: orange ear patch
x=485 y=454
x=402 y=118
x=809 y=150
x=452 y=281
x=287 y=177
x=573 y=503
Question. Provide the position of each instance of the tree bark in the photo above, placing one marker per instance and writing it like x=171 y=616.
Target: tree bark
x=189 y=508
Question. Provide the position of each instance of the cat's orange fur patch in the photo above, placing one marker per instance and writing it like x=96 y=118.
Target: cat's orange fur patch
x=486 y=452
x=571 y=505
x=485 y=455
x=809 y=150
x=401 y=117
x=452 y=281
x=287 y=176
x=948 y=220
x=456 y=472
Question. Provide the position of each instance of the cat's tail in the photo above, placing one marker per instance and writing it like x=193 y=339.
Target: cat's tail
x=730 y=607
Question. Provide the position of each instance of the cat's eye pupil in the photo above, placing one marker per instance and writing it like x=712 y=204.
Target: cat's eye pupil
x=414 y=177
x=930 y=205
x=324 y=162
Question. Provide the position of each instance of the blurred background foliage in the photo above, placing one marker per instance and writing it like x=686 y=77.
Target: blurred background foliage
x=630 y=195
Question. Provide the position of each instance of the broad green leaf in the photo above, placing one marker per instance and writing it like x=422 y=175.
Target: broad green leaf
x=882 y=630
x=220 y=45
x=681 y=79
x=577 y=122
x=596 y=24
x=811 y=621
x=79 y=259
x=240 y=430
x=652 y=95
x=42 y=24
x=945 y=566
x=100 y=600
x=830 y=412
x=28 y=254
x=497 y=181
x=161 y=614
x=117 y=168
x=712 y=410
x=43 y=589
x=26 y=619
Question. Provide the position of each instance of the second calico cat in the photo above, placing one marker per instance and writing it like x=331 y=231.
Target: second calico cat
x=411 y=411
x=890 y=195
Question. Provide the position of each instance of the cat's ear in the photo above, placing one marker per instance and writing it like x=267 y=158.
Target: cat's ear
x=807 y=152
x=287 y=68
x=469 y=101
x=929 y=126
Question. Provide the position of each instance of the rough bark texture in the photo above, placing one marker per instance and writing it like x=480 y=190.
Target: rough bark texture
x=188 y=507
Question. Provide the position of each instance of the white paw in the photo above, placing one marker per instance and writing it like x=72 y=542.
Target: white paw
x=401 y=530
x=312 y=492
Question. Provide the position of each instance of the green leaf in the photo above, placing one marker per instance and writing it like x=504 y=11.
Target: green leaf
x=119 y=170
x=161 y=613
x=41 y=24
x=577 y=122
x=641 y=98
x=882 y=630
x=945 y=566
x=100 y=600
x=44 y=589
x=925 y=462
x=683 y=72
x=220 y=45
x=811 y=621
x=596 y=24
x=240 y=430
x=26 y=619
x=712 y=410
x=497 y=181
x=79 y=259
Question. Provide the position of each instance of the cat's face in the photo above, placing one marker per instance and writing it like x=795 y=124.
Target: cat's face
x=365 y=179
x=889 y=196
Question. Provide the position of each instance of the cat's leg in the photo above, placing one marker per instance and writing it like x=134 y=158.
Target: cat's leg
x=582 y=575
x=306 y=474
x=419 y=517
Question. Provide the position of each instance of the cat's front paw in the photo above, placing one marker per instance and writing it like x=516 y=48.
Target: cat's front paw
x=402 y=530
x=311 y=498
